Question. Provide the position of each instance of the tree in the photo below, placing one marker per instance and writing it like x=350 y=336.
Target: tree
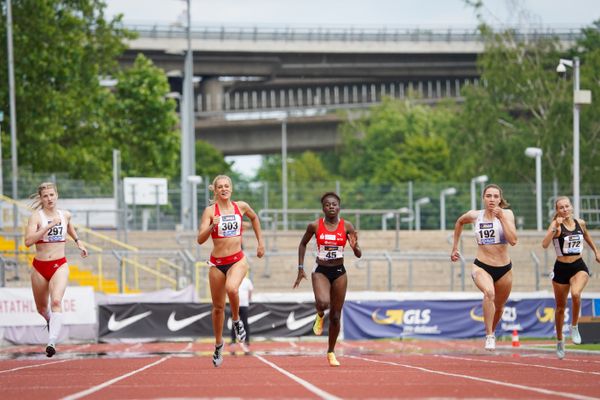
x=210 y=162
x=144 y=122
x=398 y=141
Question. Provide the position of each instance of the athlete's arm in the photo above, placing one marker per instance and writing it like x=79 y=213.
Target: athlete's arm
x=352 y=235
x=551 y=233
x=32 y=235
x=588 y=239
x=466 y=218
x=206 y=225
x=311 y=229
x=245 y=209
x=71 y=231
x=507 y=219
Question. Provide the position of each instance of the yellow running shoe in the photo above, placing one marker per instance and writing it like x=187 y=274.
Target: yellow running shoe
x=318 y=325
x=333 y=362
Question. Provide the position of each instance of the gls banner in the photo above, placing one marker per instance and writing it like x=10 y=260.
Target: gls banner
x=170 y=320
x=449 y=318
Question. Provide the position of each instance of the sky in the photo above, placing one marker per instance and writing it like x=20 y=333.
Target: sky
x=440 y=14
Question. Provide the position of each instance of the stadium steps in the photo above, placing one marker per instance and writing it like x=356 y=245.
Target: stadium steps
x=84 y=277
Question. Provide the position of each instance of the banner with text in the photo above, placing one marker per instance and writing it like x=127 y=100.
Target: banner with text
x=17 y=307
x=449 y=318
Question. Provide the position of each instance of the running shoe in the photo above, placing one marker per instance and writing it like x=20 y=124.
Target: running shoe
x=575 y=336
x=50 y=350
x=490 y=342
x=318 y=326
x=240 y=332
x=560 y=349
x=218 y=355
x=333 y=362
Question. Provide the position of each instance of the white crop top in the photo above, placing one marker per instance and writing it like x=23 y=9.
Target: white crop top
x=57 y=233
x=488 y=232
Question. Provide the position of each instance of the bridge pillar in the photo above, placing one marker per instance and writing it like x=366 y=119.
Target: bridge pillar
x=211 y=92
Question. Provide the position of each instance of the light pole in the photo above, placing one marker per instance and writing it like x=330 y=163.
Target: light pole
x=536 y=152
x=446 y=192
x=478 y=179
x=284 y=174
x=418 y=203
x=579 y=97
x=194 y=180
x=13 y=107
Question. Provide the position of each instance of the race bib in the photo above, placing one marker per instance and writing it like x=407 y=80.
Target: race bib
x=328 y=252
x=573 y=244
x=230 y=225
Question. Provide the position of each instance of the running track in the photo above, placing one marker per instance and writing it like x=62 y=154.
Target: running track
x=384 y=369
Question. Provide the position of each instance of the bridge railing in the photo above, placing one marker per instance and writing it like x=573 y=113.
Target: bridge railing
x=328 y=97
x=339 y=34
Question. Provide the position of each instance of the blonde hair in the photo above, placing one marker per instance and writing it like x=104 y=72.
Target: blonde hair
x=503 y=202
x=559 y=198
x=212 y=186
x=37 y=197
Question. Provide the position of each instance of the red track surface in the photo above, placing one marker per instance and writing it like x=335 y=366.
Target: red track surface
x=376 y=370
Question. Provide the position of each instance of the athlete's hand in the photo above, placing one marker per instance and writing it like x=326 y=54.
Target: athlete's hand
x=498 y=212
x=260 y=250
x=455 y=255
x=301 y=275
x=559 y=220
x=353 y=239
x=55 y=221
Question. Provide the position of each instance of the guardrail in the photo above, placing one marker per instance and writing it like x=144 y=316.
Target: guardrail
x=339 y=34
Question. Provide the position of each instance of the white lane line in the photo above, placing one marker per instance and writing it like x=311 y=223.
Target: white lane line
x=312 y=388
x=101 y=386
x=34 y=366
x=493 y=382
x=186 y=348
x=519 y=364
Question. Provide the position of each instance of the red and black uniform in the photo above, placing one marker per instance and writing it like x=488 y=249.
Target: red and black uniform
x=330 y=246
x=229 y=226
x=56 y=234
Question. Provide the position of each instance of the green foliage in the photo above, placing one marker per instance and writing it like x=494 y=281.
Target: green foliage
x=210 y=161
x=60 y=50
x=397 y=142
x=144 y=122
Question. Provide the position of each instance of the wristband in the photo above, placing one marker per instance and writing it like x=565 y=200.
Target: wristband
x=300 y=266
x=77 y=240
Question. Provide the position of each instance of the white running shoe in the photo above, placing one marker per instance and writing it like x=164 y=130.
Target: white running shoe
x=217 y=357
x=240 y=332
x=560 y=349
x=490 y=343
x=575 y=336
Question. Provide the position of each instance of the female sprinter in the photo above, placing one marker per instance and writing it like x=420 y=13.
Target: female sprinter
x=491 y=271
x=47 y=229
x=222 y=221
x=329 y=277
x=570 y=272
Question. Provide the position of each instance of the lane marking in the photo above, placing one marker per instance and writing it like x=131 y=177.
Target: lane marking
x=101 y=386
x=35 y=366
x=473 y=378
x=519 y=364
x=312 y=388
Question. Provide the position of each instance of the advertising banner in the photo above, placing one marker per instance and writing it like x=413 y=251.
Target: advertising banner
x=170 y=320
x=17 y=307
x=449 y=318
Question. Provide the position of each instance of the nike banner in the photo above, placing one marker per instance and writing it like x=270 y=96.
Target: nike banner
x=172 y=320
x=449 y=318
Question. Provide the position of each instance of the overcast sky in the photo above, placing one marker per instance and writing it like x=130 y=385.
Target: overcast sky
x=367 y=13
x=404 y=13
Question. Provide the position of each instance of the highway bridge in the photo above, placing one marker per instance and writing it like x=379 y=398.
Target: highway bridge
x=249 y=79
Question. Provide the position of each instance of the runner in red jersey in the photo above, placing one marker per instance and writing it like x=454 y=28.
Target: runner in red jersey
x=222 y=221
x=48 y=228
x=329 y=277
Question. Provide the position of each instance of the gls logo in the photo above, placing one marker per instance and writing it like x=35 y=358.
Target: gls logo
x=402 y=317
x=509 y=314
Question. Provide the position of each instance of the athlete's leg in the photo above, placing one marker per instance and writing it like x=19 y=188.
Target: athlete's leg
x=216 y=281
x=244 y=318
x=41 y=292
x=338 y=295
x=561 y=292
x=57 y=287
x=235 y=276
x=578 y=283
x=502 y=288
x=321 y=289
x=485 y=283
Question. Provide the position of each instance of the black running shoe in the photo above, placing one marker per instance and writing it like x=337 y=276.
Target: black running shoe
x=240 y=332
x=50 y=350
x=218 y=355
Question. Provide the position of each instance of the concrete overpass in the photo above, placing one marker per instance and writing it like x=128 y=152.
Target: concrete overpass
x=248 y=72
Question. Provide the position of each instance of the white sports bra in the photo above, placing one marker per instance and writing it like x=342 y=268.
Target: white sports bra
x=488 y=232
x=57 y=233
